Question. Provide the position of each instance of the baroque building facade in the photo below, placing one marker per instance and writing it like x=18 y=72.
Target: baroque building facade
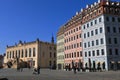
x=92 y=37
x=101 y=35
x=31 y=54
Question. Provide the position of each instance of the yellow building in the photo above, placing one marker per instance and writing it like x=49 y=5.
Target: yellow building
x=31 y=54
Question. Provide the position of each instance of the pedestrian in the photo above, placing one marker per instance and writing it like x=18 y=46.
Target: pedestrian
x=74 y=68
x=21 y=69
x=38 y=69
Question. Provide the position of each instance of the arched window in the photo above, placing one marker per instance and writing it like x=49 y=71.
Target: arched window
x=25 y=52
x=34 y=53
x=10 y=54
x=13 y=55
x=19 y=53
x=29 y=52
x=16 y=54
x=22 y=53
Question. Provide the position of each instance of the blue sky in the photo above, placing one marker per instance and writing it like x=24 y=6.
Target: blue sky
x=27 y=20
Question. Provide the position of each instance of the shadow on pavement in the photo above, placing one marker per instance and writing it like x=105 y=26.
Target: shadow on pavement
x=3 y=79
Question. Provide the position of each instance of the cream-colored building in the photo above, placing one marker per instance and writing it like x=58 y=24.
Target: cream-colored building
x=60 y=48
x=31 y=54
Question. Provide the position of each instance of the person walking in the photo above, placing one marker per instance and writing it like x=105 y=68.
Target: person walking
x=38 y=69
x=74 y=68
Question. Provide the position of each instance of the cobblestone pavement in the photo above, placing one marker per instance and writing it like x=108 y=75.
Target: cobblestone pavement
x=46 y=74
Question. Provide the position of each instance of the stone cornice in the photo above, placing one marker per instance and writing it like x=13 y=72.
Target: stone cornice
x=93 y=11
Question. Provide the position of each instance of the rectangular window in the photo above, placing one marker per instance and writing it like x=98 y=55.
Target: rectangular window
x=84 y=45
x=74 y=54
x=65 y=47
x=113 y=19
x=76 y=29
x=69 y=32
x=84 y=35
x=95 y=21
x=87 y=25
x=107 y=18
x=101 y=40
x=97 y=43
x=69 y=55
x=92 y=33
x=81 y=53
x=88 y=35
x=115 y=40
x=114 y=29
x=74 y=37
x=119 y=29
x=80 y=44
x=118 y=19
x=96 y=31
x=101 y=30
x=84 y=27
x=80 y=28
x=93 y=52
x=77 y=36
x=77 y=54
x=110 y=51
x=80 y=35
x=102 y=51
x=116 y=51
x=85 y=54
x=77 y=45
x=89 y=53
x=74 y=45
x=71 y=38
x=98 y=53
x=100 y=20
x=88 y=44
x=65 y=40
x=92 y=43
x=91 y=23
x=108 y=29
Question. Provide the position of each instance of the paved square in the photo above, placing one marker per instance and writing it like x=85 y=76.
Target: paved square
x=46 y=74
